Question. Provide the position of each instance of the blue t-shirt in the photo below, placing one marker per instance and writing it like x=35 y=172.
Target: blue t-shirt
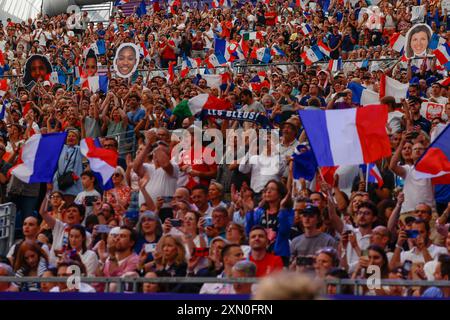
x=136 y=116
x=304 y=101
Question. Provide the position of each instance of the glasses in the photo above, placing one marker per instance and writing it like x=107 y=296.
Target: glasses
x=108 y=146
x=422 y=211
x=366 y=213
x=117 y=175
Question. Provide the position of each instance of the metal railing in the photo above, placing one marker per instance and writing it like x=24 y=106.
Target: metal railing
x=7 y=225
x=131 y=283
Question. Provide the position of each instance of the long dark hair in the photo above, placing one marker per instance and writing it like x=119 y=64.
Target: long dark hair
x=385 y=266
x=82 y=231
x=27 y=70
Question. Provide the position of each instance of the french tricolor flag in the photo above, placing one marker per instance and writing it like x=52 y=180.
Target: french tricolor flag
x=38 y=158
x=96 y=83
x=306 y=29
x=276 y=51
x=311 y=55
x=335 y=65
x=374 y=175
x=435 y=162
x=397 y=42
x=324 y=48
x=101 y=161
x=361 y=95
x=215 y=60
x=347 y=137
x=442 y=53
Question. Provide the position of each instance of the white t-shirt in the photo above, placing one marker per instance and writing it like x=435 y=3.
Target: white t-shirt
x=84 y=287
x=363 y=243
x=161 y=184
x=90 y=260
x=416 y=256
x=395 y=120
x=80 y=198
x=209 y=43
x=416 y=191
x=263 y=168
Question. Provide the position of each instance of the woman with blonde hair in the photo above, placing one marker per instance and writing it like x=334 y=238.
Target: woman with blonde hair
x=119 y=196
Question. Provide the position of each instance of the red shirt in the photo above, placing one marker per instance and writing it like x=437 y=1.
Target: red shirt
x=199 y=164
x=270 y=18
x=168 y=53
x=267 y=265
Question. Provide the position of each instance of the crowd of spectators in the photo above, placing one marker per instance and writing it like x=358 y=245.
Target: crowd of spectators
x=168 y=217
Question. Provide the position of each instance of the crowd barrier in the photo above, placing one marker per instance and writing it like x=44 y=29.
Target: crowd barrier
x=131 y=284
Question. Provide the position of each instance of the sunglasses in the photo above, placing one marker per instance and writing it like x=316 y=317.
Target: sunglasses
x=117 y=175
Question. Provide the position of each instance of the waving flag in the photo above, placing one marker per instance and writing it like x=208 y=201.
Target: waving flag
x=435 y=161
x=102 y=161
x=96 y=83
x=256 y=35
x=304 y=163
x=362 y=64
x=312 y=55
x=306 y=29
x=347 y=137
x=143 y=51
x=214 y=61
x=394 y=88
x=229 y=50
x=335 y=65
x=261 y=54
x=324 y=48
x=436 y=41
x=276 y=51
x=397 y=42
x=2 y=59
x=374 y=175
x=442 y=53
x=189 y=63
x=259 y=81
x=121 y=2
x=363 y=96
x=2 y=110
x=191 y=107
x=142 y=9
x=38 y=158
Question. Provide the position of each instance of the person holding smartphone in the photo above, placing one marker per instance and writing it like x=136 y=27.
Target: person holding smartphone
x=89 y=195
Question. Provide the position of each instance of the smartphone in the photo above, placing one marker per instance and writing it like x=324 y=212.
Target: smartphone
x=341 y=94
x=412 y=233
x=364 y=253
x=208 y=222
x=103 y=228
x=176 y=222
x=201 y=252
x=90 y=200
x=305 y=261
x=150 y=247
x=167 y=199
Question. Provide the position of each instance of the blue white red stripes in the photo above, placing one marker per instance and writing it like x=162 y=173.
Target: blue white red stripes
x=102 y=161
x=442 y=54
x=361 y=95
x=347 y=137
x=39 y=157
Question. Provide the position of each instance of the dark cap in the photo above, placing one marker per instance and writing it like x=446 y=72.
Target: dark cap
x=311 y=210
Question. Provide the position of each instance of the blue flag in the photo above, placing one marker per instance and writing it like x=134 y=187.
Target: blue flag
x=142 y=9
x=304 y=164
x=101 y=47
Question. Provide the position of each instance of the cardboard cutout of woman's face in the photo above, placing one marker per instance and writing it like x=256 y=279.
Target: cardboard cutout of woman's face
x=126 y=60
x=90 y=66
x=417 y=40
x=37 y=69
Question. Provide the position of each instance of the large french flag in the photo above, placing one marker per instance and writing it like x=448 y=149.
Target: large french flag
x=96 y=83
x=347 y=137
x=435 y=162
x=38 y=158
x=102 y=161
x=361 y=95
x=324 y=48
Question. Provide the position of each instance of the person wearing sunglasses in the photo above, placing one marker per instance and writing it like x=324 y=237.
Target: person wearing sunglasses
x=119 y=196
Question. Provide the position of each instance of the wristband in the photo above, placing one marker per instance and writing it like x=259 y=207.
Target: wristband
x=399 y=247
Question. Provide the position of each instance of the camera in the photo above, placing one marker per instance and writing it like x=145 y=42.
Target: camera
x=305 y=261
x=176 y=222
x=208 y=222
x=412 y=233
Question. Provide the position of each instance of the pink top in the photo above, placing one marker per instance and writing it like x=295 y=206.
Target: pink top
x=126 y=265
